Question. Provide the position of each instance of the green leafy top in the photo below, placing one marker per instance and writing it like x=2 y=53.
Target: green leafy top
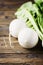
x=33 y=15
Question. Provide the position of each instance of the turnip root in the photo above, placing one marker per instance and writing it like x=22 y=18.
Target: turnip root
x=28 y=38
x=15 y=27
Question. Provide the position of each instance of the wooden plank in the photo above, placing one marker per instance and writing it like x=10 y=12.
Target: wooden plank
x=21 y=60
x=7 y=14
x=10 y=5
x=22 y=55
x=5 y=21
x=6 y=17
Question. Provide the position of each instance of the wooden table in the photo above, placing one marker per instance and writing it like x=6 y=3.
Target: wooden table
x=16 y=55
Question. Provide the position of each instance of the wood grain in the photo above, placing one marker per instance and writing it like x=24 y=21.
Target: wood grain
x=11 y=4
x=15 y=55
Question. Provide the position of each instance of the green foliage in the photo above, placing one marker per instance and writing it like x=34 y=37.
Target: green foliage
x=32 y=14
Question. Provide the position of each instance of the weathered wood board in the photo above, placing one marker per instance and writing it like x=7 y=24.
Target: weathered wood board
x=17 y=54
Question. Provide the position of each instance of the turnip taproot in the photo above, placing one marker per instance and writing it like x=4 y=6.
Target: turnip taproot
x=28 y=38
x=15 y=26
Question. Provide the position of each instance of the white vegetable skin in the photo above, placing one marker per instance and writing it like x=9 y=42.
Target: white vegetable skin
x=28 y=38
x=16 y=26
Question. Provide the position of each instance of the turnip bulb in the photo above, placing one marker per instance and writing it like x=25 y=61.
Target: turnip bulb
x=15 y=26
x=28 y=38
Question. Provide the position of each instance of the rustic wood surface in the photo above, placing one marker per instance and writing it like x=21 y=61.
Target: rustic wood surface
x=16 y=55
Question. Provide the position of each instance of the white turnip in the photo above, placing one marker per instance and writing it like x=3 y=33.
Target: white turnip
x=28 y=38
x=15 y=26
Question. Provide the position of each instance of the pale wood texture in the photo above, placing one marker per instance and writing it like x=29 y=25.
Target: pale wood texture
x=16 y=55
